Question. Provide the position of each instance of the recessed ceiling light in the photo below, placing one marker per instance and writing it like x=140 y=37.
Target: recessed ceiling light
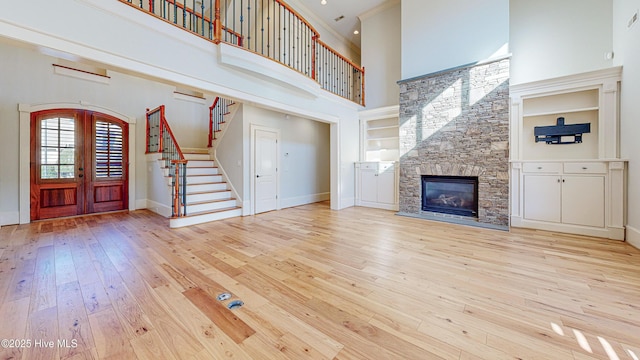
x=356 y=32
x=323 y=2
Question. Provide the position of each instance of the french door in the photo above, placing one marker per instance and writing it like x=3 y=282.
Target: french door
x=78 y=163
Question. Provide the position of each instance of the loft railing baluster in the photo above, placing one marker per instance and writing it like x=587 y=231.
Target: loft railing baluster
x=269 y=7
x=249 y=25
x=184 y=13
x=241 y=19
x=175 y=11
x=191 y=16
x=280 y=32
x=202 y=20
x=211 y=20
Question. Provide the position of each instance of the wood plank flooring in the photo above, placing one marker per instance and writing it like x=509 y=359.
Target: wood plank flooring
x=316 y=284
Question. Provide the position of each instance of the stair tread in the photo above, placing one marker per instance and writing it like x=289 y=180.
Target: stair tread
x=207 y=192
x=199 y=213
x=208 y=183
x=209 y=202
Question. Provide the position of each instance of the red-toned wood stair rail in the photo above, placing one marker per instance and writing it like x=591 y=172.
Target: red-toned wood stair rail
x=160 y=139
x=270 y=28
x=217 y=111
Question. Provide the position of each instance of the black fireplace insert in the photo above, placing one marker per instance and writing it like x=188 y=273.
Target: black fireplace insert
x=455 y=195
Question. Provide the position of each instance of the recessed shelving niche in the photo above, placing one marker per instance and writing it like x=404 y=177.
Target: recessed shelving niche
x=380 y=136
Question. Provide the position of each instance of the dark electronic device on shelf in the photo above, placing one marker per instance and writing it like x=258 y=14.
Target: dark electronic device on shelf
x=561 y=133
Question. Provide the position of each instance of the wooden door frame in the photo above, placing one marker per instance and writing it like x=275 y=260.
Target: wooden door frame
x=24 y=176
x=252 y=171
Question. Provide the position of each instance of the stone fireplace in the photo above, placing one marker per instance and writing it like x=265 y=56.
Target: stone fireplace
x=455 y=124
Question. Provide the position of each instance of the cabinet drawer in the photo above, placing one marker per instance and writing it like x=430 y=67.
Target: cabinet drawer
x=386 y=167
x=369 y=166
x=585 y=168
x=542 y=167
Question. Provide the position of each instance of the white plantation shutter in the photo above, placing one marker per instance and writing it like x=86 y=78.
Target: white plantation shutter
x=108 y=154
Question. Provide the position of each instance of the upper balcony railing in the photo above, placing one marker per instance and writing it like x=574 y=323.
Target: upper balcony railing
x=270 y=28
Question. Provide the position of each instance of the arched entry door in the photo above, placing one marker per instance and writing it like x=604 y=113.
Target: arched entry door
x=78 y=163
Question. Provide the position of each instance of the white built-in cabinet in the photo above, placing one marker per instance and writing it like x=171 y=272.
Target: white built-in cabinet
x=377 y=175
x=377 y=184
x=575 y=188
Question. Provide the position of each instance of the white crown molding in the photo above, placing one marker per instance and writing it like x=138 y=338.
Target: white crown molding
x=376 y=10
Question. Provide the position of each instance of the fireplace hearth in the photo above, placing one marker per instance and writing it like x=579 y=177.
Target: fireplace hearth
x=455 y=195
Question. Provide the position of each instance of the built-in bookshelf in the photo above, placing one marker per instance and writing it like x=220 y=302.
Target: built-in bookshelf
x=380 y=135
x=571 y=186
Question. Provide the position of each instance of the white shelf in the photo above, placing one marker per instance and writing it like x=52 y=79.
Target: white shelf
x=383 y=148
x=370 y=128
x=556 y=112
x=380 y=134
x=383 y=138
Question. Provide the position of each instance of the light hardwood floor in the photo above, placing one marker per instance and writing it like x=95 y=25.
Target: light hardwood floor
x=317 y=284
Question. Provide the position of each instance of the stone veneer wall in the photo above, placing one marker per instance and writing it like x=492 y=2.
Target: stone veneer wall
x=456 y=123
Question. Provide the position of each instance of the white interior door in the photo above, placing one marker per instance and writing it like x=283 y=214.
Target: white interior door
x=266 y=171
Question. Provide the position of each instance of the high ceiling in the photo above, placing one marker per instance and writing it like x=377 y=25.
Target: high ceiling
x=350 y=9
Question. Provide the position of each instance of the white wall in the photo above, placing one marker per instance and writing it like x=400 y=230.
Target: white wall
x=381 y=55
x=230 y=152
x=627 y=50
x=550 y=38
x=441 y=34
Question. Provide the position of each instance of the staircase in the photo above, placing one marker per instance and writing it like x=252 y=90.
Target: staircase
x=198 y=190
x=208 y=196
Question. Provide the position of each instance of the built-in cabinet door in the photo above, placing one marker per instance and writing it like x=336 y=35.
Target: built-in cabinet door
x=369 y=185
x=542 y=197
x=583 y=200
x=386 y=186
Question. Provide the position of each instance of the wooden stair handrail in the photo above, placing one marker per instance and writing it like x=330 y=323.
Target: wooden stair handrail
x=179 y=204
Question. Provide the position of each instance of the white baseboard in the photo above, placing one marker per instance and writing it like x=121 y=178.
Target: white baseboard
x=607 y=233
x=344 y=203
x=160 y=209
x=9 y=218
x=246 y=208
x=633 y=236
x=140 y=204
x=303 y=200
x=392 y=207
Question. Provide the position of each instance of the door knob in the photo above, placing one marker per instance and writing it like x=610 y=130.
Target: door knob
x=81 y=169
x=257 y=176
x=80 y=175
